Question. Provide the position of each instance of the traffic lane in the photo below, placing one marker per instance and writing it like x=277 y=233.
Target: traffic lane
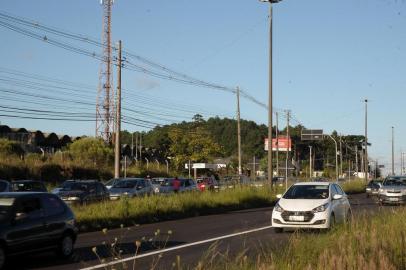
x=183 y=231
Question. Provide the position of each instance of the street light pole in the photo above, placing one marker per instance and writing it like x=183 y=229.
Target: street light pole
x=366 y=141
x=393 y=152
x=335 y=142
x=270 y=164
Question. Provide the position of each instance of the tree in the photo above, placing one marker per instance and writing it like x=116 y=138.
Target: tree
x=10 y=148
x=91 y=150
x=194 y=144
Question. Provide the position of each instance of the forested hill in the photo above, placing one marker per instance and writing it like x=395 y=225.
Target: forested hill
x=202 y=140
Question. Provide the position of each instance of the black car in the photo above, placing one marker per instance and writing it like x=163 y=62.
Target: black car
x=5 y=186
x=83 y=191
x=28 y=185
x=35 y=221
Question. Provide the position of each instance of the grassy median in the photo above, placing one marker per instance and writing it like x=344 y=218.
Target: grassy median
x=112 y=214
x=128 y=212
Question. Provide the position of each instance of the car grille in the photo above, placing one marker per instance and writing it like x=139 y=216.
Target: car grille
x=308 y=215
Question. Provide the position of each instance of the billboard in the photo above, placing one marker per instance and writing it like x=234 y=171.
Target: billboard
x=284 y=143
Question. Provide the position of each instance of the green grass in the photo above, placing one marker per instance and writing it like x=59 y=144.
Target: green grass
x=369 y=242
x=113 y=214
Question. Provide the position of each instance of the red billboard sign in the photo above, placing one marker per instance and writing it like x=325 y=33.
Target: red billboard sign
x=282 y=144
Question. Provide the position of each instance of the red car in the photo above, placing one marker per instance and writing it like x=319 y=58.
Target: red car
x=207 y=183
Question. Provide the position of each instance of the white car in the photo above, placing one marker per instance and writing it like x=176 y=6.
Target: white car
x=315 y=205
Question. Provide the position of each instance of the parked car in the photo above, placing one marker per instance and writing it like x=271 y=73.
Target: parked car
x=131 y=187
x=156 y=183
x=185 y=186
x=316 y=205
x=393 y=190
x=5 y=186
x=373 y=187
x=28 y=185
x=207 y=183
x=83 y=191
x=32 y=221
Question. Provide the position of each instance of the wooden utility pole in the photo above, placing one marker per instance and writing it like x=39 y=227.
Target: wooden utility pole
x=287 y=149
x=239 y=132
x=117 y=153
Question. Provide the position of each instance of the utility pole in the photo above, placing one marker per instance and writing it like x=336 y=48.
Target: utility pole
x=310 y=161
x=239 y=132
x=118 y=118
x=356 y=159
x=136 y=146
x=132 y=145
x=393 y=151
x=287 y=148
x=341 y=156
x=140 y=147
x=366 y=141
x=277 y=144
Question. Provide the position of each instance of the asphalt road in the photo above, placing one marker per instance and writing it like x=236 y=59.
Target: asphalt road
x=172 y=234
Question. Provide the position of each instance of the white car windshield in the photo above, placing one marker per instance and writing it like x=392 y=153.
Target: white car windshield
x=307 y=192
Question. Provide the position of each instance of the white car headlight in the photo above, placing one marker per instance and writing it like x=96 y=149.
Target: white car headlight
x=321 y=208
x=278 y=208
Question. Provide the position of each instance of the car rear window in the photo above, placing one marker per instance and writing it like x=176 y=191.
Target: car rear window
x=28 y=186
x=307 y=192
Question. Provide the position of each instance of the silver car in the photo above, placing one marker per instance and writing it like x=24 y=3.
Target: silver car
x=130 y=187
x=393 y=190
x=185 y=185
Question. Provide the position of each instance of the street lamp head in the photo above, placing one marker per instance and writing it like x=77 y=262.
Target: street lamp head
x=271 y=1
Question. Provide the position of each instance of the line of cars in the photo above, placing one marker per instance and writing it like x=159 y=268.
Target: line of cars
x=390 y=191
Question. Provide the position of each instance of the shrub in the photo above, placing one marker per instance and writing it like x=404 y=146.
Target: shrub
x=91 y=151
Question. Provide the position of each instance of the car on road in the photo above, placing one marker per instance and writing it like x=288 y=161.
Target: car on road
x=372 y=189
x=83 y=191
x=28 y=185
x=393 y=190
x=35 y=221
x=207 y=183
x=131 y=187
x=186 y=185
x=312 y=205
x=5 y=186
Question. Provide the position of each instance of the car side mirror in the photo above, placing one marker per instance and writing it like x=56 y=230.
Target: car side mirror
x=279 y=196
x=20 y=216
x=337 y=197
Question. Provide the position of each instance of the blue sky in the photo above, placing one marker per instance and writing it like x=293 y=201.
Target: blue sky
x=328 y=57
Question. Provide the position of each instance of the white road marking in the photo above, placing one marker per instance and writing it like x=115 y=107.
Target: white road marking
x=175 y=248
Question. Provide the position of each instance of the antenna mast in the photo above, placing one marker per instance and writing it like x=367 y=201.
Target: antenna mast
x=105 y=95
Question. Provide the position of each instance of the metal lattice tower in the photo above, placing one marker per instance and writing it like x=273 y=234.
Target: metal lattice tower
x=105 y=96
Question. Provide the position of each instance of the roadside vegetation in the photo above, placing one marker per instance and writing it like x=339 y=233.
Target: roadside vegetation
x=112 y=214
x=128 y=212
x=369 y=242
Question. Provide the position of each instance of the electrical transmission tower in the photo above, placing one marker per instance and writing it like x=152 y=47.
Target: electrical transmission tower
x=105 y=95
